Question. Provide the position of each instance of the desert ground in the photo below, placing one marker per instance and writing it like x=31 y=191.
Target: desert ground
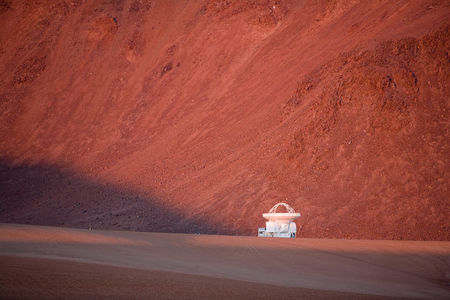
x=52 y=262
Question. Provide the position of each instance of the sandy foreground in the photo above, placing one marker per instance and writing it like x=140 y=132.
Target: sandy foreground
x=52 y=262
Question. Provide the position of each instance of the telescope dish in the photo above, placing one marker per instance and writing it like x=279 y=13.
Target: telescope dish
x=289 y=209
x=288 y=216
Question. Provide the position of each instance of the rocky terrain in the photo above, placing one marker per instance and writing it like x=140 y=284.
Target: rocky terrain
x=198 y=116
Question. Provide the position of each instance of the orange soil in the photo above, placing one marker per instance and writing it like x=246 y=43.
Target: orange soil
x=198 y=116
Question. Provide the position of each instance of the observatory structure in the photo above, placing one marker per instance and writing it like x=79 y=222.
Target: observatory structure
x=280 y=224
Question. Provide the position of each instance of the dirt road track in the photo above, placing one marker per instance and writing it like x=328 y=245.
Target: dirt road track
x=385 y=268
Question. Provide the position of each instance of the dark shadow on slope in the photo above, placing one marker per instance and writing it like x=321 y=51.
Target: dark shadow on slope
x=47 y=195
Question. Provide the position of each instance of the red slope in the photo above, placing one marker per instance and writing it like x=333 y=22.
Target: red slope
x=221 y=109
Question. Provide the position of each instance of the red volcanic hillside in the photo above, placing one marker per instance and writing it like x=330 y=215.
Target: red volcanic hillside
x=198 y=116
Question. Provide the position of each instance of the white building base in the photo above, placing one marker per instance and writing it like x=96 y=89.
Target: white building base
x=276 y=229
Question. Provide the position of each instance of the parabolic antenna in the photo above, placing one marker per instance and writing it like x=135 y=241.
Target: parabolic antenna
x=288 y=216
x=280 y=225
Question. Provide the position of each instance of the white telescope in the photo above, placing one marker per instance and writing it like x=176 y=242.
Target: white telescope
x=280 y=224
